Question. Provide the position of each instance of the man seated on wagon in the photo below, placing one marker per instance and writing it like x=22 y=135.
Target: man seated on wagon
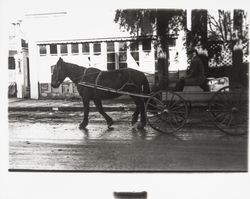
x=195 y=74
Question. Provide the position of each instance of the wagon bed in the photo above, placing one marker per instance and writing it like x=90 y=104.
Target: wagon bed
x=168 y=111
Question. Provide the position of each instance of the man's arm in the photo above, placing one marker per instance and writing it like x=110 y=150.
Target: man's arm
x=193 y=69
x=201 y=67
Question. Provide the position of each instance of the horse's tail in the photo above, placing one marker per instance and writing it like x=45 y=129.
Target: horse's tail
x=145 y=85
x=146 y=91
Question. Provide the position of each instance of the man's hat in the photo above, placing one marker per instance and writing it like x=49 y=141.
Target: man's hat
x=192 y=50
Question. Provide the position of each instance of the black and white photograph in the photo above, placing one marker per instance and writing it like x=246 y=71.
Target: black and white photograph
x=135 y=91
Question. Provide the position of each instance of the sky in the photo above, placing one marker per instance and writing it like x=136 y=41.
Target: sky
x=83 y=19
x=78 y=22
x=97 y=23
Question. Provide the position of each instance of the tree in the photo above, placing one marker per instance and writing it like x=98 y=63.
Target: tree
x=227 y=29
x=220 y=28
x=199 y=35
x=163 y=22
x=199 y=27
x=230 y=32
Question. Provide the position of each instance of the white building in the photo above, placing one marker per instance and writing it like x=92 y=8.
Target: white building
x=102 y=53
x=18 y=63
x=98 y=43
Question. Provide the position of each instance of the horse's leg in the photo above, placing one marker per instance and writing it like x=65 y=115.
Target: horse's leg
x=86 y=114
x=140 y=109
x=137 y=111
x=137 y=100
x=99 y=107
x=143 y=122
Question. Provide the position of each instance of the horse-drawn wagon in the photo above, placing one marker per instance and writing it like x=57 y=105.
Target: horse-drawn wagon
x=165 y=111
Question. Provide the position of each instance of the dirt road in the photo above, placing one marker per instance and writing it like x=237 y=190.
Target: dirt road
x=52 y=141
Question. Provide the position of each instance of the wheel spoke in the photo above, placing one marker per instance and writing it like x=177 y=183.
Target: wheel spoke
x=155 y=106
x=178 y=107
x=180 y=112
x=158 y=119
x=230 y=120
x=179 y=119
x=176 y=121
x=159 y=102
x=175 y=103
x=171 y=124
x=159 y=114
x=219 y=115
x=182 y=116
x=218 y=104
x=154 y=111
x=211 y=110
x=224 y=120
x=171 y=100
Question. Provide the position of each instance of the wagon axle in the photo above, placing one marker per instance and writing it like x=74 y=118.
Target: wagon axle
x=235 y=110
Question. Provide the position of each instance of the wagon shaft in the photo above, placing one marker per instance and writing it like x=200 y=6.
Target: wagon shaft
x=112 y=90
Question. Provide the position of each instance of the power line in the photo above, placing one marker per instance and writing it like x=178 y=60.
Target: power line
x=46 y=14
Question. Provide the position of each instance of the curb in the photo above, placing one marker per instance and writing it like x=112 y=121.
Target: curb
x=79 y=108
x=51 y=109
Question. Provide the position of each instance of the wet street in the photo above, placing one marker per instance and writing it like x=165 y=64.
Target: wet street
x=52 y=141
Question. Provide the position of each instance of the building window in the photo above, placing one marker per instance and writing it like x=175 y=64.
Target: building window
x=12 y=64
x=134 y=46
x=134 y=51
x=53 y=49
x=85 y=48
x=172 y=42
x=97 y=48
x=122 y=46
x=64 y=49
x=110 y=55
x=146 y=45
x=24 y=43
x=42 y=50
x=122 y=55
x=111 y=66
x=74 y=49
x=110 y=46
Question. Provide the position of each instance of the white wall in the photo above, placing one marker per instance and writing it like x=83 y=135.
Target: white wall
x=178 y=62
x=44 y=62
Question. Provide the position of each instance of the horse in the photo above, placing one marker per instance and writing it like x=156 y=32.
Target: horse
x=129 y=80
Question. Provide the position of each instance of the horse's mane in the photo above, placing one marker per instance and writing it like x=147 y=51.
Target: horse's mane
x=77 y=69
x=74 y=71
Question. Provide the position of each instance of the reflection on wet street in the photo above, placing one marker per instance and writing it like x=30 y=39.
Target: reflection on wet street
x=52 y=141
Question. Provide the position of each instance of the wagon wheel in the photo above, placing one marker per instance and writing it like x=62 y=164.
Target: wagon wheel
x=166 y=111
x=229 y=109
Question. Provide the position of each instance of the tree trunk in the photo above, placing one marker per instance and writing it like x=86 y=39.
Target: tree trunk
x=163 y=50
x=236 y=74
x=199 y=30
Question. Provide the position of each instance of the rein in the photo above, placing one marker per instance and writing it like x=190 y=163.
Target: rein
x=89 y=74
x=84 y=75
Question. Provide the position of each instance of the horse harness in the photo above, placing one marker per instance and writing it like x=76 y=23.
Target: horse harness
x=128 y=82
x=99 y=73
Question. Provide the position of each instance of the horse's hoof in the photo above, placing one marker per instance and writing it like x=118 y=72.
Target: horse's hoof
x=133 y=122
x=110 y=123
x=110 y=128
x=82 y=126
x=141 y=125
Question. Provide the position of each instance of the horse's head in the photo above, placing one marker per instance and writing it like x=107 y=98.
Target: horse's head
x=58 y=74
